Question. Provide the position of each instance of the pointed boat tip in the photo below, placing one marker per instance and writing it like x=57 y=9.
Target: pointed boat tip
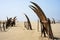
x=24 y=13
x=30 y=6
x=31 y=2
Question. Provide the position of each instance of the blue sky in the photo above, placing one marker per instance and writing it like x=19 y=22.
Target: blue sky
x=12 y=8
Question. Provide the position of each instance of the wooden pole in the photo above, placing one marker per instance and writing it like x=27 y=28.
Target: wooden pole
x=38 y=25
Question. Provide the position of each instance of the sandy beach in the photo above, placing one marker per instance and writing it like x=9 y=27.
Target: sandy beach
x=21 y=33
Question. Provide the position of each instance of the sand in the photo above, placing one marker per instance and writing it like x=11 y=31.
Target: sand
x=21 y=33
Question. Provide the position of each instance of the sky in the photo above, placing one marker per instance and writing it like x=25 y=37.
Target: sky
x=12 y=8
